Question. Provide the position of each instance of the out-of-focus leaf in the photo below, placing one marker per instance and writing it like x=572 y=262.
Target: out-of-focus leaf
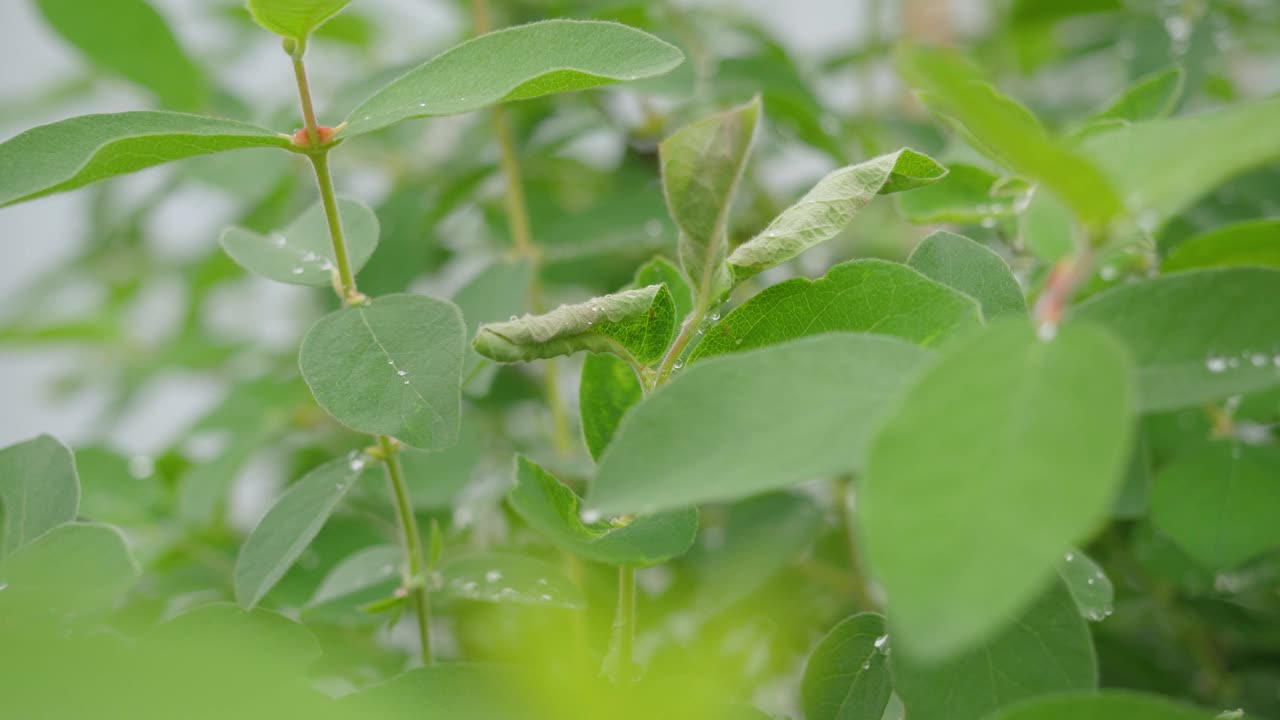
x=302 y=253
x=712 y=432
x=1107 y=705
x=1090 y=587
x=830 y=206
x=129 y=38
x=1254 y=243
x=552 y=509
x=973 y=269
x=361 y=578
x=73 y=153
x=295 y=19
x=968 y=195
x=39 y=490
x=1218 y=502
x=518 y=63
x=1195 y=336
x=873 y=296
x=498 y=292
x=996 y=124
x=973 y=433
x=76 y=567
x=392 y=367
x=1046 y=649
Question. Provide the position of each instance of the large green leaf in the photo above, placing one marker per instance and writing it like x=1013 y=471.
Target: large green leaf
x=1108 y=705
x=1047 y=650
x=634 y=324
x=608 y=389
x=518 y=63
x=73 y=568
x=1218 y=502
x=552 y=509
x=131 y=39
x=874 y=296
x=661 y=271
x=997 y=125
x=505 y=578
x=1090 y=587
x=73 y=153
x=1006 y=452
x=362 y=578
x=294 y=18
x=847 y=676
x=392 y=367
x=1195 y=336
x=1162 y=166
x=830 y=206
x=1254 y=243
x=290 y=525
x=973 y=269
x=498 y=292
x=715 y=432
x=39 y=490
x=702 y=164
x=302 y=253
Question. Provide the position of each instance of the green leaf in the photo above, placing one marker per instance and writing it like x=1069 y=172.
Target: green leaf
x=1163 y=166
x=517 y=63
x=436 y=478
x=761 y=536
x=295 y=19
x=1047 y=228
x=661 y=271
x=361 y=578
x=1005 y=453
x=1254 y=243
x=392 y=367
x=302 y=253
x=608 y=389
x=847 y=676
x=129 y=38
x=1195 y=336
x=290 y=525
x=1107 y=705
x=498 y=292
x=702 y=165
x=551 y=508
x=514 y=579
x=1006 y=131
x=1090 y=587
x=973 y=269
x=875 y=296
x=39 y=490
x=968 y=195
x=1218 y=502
x=713 y=432
x=1151 y=97
x=1047 y=650
x=830 y=206
x=452 y=691
x=635 y=325
x=72 y=568
x=73 y=153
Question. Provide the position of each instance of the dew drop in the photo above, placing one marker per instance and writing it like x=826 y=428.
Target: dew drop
x=297 y=271
x=738 y=341
x=402 y=373
x=514 y=318
x=1215 y=364
x=1071 y=556
x=356 y=464
x=988 y=222
x=882 y=644
x=406 y=382
x=678 y=364
x=548 y=598
x=141 y=466
x=590 y=516
x=1047 y=331
x=1108 y=272
x=1259 y=360
x=653 y=228
x=866 y=665
x=278 y=240
x=1090 y=581
x=715 y=317
x=309 y=257
x=493 y=576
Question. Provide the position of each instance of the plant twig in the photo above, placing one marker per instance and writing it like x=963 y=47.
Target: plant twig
x=858 y=581
x=412 y=539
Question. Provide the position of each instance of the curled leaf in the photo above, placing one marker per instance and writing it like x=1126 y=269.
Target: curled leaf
x=830 y=206
x=635 y=325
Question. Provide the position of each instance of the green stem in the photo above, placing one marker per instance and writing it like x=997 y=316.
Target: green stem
x=624 y=625
x=324 y=179
x=843 y=486
x=687 y=331
x=412 y=539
